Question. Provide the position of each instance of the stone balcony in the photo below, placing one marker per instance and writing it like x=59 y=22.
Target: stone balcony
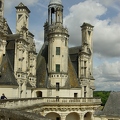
x=29 y=102
x=15 y=109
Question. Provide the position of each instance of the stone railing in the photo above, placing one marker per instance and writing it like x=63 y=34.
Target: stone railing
x=73 y=100
x=27 y=102
x=7 y=114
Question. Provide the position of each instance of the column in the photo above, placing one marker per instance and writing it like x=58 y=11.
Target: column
x=63 y=117
x=4 y=46
x=81 y=116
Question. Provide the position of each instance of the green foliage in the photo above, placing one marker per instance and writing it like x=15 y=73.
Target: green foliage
x=103 y=95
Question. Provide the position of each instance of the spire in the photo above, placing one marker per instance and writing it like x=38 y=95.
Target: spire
x=55 y=2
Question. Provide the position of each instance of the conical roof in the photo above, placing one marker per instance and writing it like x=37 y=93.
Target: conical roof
x=55 y=2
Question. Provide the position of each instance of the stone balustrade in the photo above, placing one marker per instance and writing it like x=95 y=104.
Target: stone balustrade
x=27 y=102
x=73 y=100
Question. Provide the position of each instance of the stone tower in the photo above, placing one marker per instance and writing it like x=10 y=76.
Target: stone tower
x=57 y=46
x=22 y=17
x=86 y=60
x=25 y=55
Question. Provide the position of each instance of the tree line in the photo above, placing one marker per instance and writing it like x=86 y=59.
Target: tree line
x=103 y=95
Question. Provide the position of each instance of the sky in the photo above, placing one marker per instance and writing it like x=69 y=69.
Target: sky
x=104 y=15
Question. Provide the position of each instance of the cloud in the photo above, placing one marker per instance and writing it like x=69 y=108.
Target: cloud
x=10 y=4
x=86 y=11
x=107 y=76
x=116 y=19
x=106 y=39
x=39 y=40
x=106 y=32
x=38 y=45
x=110 y=3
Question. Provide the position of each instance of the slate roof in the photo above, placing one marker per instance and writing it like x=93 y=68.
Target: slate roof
x=74 y=50
x=10 y=50
x=72 y=75
x=7 y=64
x=112 y=106
x=73 y=53
x=42 y=73
x=41 y=67
x=7 y=73
x=22 y=6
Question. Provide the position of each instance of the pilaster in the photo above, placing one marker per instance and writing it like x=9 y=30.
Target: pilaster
x=81 y=115
x=63 y=117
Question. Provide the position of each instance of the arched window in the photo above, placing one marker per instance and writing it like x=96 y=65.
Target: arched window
x=39 y=94
x=52 y=15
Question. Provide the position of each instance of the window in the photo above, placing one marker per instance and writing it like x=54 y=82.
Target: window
x=85 y=91
x=39 y=94
x=57 y=86
x=57 y=67
x=66 y=42
x=85 y=88
x=85 y=94
x=57 y=50
x=53 y=15
x=85 y=63
x=0 y=4
x=19 y=16
x=85 y=68
x=89 y=32
x=75 y=95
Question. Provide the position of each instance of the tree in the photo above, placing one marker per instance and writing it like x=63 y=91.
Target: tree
x=103 y=95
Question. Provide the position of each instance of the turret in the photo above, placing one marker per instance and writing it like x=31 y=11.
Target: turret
x=87 y=43
x=55 y=12
x=57 y=37
x=21 y=49
x=86 y=61
x=22 y=17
